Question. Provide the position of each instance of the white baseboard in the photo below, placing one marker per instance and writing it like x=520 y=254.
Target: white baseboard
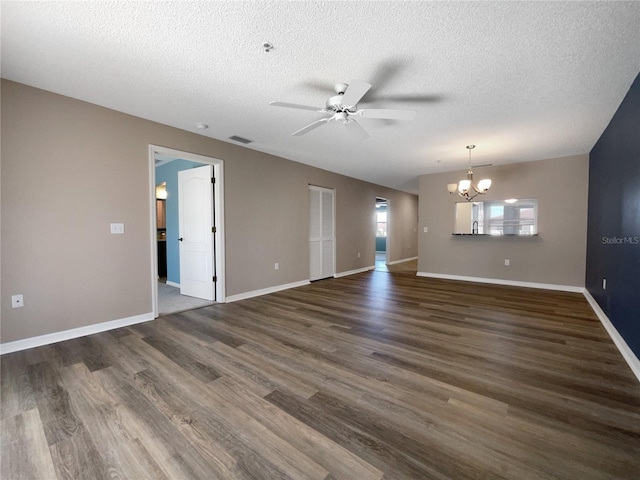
x=49 y=338
x=625 y=350
x=498 y=281
x=353 y=272
x=173 y=284
x=402 y=261
x=264 y=291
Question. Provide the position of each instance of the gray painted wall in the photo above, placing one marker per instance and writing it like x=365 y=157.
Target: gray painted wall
x=70 y=168
x=556 y=256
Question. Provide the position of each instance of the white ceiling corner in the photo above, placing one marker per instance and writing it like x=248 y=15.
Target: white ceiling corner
x=521 y=80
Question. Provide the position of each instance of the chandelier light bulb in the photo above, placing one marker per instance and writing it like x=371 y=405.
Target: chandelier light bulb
x=484 y=184
x=464 y=185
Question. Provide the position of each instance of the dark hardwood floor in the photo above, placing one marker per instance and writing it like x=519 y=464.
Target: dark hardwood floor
x=376 y=375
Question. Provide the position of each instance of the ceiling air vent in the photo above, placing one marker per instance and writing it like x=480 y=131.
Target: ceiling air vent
x=236 y=138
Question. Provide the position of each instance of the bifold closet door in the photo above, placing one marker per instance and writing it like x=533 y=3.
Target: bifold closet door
x=321 y=233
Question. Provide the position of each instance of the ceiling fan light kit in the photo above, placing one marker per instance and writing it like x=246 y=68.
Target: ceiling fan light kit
x=466 y=188
x=343 y=108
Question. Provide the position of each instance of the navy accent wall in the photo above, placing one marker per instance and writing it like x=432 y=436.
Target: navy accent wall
x=613 y=233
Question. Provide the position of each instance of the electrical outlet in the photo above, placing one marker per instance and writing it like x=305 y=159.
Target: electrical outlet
x=276 y=266
x=358 y=254
x=506 y=262
x=17 y=301
x=425 y=230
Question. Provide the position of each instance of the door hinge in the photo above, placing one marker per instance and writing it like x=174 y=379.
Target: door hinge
x=213 y=180
x=215 y=278
x=213 y=230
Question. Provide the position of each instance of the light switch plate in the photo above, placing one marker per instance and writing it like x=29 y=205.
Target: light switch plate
x=117 y=228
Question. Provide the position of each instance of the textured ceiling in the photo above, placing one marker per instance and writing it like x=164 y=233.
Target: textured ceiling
x=521 y=80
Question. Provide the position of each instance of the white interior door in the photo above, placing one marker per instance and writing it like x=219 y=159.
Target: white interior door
x=321 y=233
x=195 y=200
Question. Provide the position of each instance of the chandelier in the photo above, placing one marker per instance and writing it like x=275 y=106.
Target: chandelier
x=466 y=188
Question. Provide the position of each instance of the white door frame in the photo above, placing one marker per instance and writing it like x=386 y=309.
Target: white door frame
x=387 y=241
x=218 y=208
x=386 y=251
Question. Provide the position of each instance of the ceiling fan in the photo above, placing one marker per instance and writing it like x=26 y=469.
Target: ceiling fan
x=343 y=108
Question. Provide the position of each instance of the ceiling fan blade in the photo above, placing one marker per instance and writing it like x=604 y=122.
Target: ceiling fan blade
x=295 y=105
x=355 y=91
x=356 y=130
x=311 y=126
x=372 y=97
x=387 y=114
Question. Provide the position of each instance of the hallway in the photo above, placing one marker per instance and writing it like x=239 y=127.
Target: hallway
x=381 y=262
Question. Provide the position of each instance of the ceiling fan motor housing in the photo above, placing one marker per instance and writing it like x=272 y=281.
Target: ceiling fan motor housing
x=334 y=104
x=340 y=88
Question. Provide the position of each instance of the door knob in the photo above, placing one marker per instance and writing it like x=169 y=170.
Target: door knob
x=180 y=239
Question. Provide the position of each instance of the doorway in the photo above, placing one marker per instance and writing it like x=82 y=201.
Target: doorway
x=165 y=167
x=382 y=238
